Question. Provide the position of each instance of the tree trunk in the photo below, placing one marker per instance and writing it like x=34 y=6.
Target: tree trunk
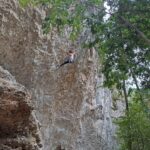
x=137 y=86
x=125 y=96
x=129 y=140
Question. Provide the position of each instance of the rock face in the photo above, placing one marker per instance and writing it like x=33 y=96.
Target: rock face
x=72 y=112
x=18 y=128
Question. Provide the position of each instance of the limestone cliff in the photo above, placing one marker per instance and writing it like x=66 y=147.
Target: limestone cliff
x=73 y=113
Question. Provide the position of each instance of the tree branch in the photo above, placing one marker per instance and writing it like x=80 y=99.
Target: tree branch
x=140 y=33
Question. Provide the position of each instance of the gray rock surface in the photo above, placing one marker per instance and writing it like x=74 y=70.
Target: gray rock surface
x=73 y=113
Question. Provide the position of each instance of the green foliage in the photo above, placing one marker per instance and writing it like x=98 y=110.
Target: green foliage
x=67 y=12
x=134 y=127
x=126 y=53
x=24 y=2
x=126 y=56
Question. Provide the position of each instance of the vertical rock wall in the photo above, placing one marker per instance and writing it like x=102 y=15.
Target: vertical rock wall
x=65 y=103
